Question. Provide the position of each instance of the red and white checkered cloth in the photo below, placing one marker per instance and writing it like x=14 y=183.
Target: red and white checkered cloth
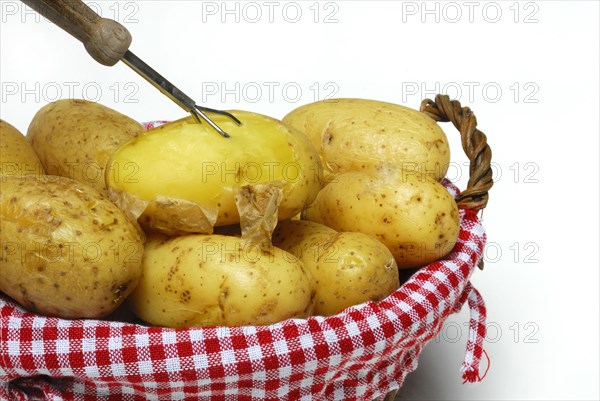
x=359 y=354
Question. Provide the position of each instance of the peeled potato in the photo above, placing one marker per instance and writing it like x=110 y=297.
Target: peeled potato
x=183 y=177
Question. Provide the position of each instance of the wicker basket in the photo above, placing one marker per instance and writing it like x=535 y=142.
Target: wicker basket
x=363 y=353
x=474 y=198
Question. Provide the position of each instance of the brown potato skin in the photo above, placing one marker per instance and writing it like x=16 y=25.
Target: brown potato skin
x=67 y=251
x=17 y=157
x=75 y=138
x=371 y=136
x=349 y=268
x=200 y=280
x=415 y=217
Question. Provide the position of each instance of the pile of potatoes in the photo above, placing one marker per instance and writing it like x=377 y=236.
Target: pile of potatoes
x=181 y=227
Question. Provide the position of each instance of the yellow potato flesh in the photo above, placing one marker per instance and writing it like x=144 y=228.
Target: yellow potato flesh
x=191 y=164
x=181 y=167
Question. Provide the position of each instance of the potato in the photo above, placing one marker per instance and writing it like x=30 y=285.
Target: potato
x=349 y=268
x=17 y=158
x=415 y=216
x=369 y=135
x=295 y=235
x=75 y=138
x=182 y=177
x=67 y=251
x=215 y=280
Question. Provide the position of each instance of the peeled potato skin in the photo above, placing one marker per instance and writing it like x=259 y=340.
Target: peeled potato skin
x=67 y=251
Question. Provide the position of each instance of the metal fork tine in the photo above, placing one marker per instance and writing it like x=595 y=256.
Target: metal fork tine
x=222 y=112
x=176 y=95
x=198 y=113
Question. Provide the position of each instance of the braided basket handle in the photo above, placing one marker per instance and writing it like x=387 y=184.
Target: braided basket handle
x=474 y=143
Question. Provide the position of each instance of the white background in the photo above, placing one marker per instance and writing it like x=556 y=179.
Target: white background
x=529 y=70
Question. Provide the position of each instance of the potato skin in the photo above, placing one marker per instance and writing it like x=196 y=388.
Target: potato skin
x=413 y=215
x=298 y=236
x=67 y=251
x=349 y=268
x=17 y=157
x=181 y=177
x=75 y=138
x=369 y=135
x=216 y=280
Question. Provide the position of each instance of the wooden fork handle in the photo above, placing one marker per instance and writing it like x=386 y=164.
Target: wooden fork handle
x=104 y=39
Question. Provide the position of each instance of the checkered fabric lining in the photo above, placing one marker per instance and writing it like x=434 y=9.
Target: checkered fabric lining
x=359 y=354
x=153 y=124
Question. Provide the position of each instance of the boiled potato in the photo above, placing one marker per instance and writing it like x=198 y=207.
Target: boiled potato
x=17 y=158
x=295 y=235
x=67 y=251
x=182 y=177
x=369 y=135
x=75 y=138
x=349 y=268
x=415 y=216
x=216 y=280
